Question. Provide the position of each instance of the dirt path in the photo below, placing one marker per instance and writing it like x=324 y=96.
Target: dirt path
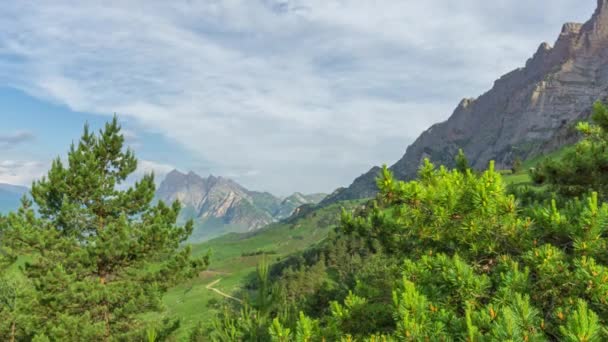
x=210 y=287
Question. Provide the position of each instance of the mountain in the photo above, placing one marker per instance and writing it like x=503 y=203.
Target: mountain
x=291 y=203
x=528 y=112
x=219 y=205
x=10 y=196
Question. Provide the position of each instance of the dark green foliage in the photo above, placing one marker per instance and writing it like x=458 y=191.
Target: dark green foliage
x=462 y=163
x=245 y=254
x=15 y=300
x=99 y=254
x=517 y=165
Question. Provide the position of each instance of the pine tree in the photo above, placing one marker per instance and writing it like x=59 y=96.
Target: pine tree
x=517 y=165
x=462 y=163
x=278 y=333
x=101 y=254
x=14 y=320
x=582 y=326
x=581 y=169
x=305 y=329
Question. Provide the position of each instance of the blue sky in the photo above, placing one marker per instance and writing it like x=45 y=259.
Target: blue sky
x=279 y=95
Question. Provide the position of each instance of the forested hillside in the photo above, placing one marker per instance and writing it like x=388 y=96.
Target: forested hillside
x=492 y=226
x=456 y=254
x=453 y=255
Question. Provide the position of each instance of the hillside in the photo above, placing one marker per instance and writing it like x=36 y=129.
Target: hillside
x=235 y=256
x=528 y=112
x=219 y=205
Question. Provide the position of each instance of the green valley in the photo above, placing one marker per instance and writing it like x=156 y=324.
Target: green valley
x=234 y=258
x=241 y=195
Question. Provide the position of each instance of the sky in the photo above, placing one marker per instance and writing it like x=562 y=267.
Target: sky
x=279 y=95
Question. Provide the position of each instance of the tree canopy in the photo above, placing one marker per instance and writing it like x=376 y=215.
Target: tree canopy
x=98 y=252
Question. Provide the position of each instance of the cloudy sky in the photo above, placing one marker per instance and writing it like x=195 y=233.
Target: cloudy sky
x=280 y=95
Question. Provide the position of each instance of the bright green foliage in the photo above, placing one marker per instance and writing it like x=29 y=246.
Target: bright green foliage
x=350 y=316
x=264 y=297
x=582 y=326
x=306 y=329
x=451 y=279
x=251 y=323
x=464 y=262
x=100 y=253
x=582 y=169
x=518 y=321
x=417 y=318
x=591 y=279
x=581 y=225
x=278 y=333
x=226 y=327
x=450 y=256
x=444 y=211
x=151 y=335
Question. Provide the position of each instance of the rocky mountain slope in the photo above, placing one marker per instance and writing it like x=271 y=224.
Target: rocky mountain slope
x=10 y=196
x=220 y=205
x=291 y=203
x=528 y=111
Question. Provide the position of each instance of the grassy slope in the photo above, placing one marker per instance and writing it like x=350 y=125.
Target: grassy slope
x=522 y=177
x=191 y=301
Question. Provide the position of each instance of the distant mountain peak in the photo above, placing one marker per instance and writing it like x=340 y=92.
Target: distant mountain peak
x=571 y=29
x=220 y=204
x=602 y=8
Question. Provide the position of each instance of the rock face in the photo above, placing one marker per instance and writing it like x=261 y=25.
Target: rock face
x=290 y=204
x=529 y=111
x=219 y=205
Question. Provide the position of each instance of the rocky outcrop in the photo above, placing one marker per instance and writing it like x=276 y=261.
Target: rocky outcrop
x=219 y=205
x=363 y=186
x=290 y=204
x=528 y=111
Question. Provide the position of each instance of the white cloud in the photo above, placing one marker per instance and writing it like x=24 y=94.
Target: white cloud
x=307 y=93
x=15 y=138
x=147 y=167
x=24 y=172
x=19 y=172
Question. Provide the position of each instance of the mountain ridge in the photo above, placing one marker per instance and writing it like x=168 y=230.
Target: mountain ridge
x=528 y=111
x=219 y=205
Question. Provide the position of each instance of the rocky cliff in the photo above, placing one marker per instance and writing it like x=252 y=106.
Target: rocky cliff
x=291 y=203
x=219 y=205
x=528 y=111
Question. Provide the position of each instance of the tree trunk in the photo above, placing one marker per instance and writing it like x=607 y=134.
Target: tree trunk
x=13 y=328
x=106 y=314
x=102 y=279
